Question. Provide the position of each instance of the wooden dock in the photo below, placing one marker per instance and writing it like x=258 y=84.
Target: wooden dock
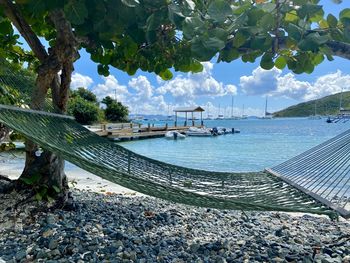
x=132 y=131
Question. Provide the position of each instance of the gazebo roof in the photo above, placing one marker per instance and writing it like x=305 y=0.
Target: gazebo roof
x=189 y=109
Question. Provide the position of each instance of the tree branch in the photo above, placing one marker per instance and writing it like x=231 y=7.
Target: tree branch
x=339 y=49
x=24 y=29
x=66 y=50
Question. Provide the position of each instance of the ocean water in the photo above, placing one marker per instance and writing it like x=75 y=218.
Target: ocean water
x=261 y=144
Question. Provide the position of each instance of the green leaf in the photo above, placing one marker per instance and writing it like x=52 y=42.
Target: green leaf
x=214 y=44
x=312 y=42
x=332 y=20
x=193 y=26
x=229 y=55
x=196 y=67
x=294 y=31
x=166 y=74
x=267 y=21
x=266 y=61
x=308 y=10
x=344 y=14
x=323 y=24
x=31 y=180
x=6 y=28
x=57 y=190
x=291 y=16
x=280 y=62
x=38 y=197
x=130 y=3
x=201 y=51
x=318 y=59
x=239 y=39
x=175 y=14
x=219 y=10
x=76 y=11
x=218 y=33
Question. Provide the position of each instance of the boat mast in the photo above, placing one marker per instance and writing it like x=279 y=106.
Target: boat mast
x=265 y=106
x=232 y=106
x=315 y=108
x=341 y=100
x=208 y=110
x=219 y=110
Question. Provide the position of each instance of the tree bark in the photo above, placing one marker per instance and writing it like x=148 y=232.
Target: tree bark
x=47 y=165
x=4 y=133
x=61 y=58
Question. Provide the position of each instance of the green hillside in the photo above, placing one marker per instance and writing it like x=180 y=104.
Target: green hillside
x=328 y=105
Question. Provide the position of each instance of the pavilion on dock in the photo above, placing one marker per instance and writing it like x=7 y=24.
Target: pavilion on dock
x=187 y=110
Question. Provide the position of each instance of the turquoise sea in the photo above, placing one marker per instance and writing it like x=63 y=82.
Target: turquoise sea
x=261 y=144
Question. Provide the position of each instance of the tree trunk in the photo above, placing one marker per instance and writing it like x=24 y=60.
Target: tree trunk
x=48 y=166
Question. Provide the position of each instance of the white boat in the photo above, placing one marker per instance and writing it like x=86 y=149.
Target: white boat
x=194 y=131
x=220 y=117
x=174 y=135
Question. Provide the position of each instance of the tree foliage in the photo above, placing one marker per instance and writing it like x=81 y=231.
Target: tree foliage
x=84 y=107
x=156 y=35
x=84 y=94
x=115 y=111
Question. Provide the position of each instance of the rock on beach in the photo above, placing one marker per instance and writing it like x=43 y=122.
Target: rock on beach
x=117 y=228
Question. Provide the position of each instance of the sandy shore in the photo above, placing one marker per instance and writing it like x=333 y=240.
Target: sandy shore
x=11 y=165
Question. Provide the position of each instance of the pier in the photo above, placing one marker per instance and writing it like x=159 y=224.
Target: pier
x=132 y=131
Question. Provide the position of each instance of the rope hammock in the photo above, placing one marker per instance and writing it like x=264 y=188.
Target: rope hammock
x=285 y=187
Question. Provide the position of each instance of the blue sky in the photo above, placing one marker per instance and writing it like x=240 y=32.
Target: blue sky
x=144 y=93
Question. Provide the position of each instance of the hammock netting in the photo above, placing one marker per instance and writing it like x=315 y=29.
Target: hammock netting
x=258 y=191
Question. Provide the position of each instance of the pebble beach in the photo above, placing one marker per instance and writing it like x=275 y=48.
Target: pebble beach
x=119 y=228
x=113 y=224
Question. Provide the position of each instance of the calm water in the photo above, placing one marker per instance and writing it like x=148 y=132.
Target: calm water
x=261 y=144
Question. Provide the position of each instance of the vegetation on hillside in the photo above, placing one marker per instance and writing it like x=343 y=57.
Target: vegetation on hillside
x=325 y=106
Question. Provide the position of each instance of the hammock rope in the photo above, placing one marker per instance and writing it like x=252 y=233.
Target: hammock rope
x=270 y=190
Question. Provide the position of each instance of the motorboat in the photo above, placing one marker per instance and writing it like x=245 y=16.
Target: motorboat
x=174 y=135
x=194 y=131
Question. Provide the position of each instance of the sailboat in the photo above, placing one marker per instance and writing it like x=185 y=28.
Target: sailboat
x=315 y=116
x=209 y=116
x=232 y=116
x=267 y=115
x=220 y=116
x=243 y=115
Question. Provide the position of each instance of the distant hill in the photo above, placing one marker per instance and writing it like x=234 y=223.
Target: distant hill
x=328 y=105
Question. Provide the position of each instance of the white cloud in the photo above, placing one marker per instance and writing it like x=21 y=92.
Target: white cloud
x=329 y=84
x=79 y=80
x=260 y=82
x=231 y=89
x=272 y=82
x=142 y=86
x=192 y=86
x=112 y=88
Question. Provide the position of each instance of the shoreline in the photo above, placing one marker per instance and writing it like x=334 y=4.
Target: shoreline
x=12 y=164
